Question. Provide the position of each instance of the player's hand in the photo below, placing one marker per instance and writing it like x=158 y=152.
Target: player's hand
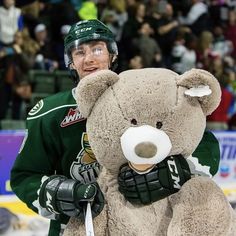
x=89 y=193
x=70 y=197
x=164 y=179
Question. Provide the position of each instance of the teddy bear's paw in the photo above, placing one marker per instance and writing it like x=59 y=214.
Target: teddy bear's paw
x=198 y=190
x=200 y=208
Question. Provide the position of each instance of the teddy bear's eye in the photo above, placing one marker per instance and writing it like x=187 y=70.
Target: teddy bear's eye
x=158 y=124
x=134 y=122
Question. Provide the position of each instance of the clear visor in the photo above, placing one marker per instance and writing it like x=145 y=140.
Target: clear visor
x=80 y=45
x=80 y=49
x=92 y=49
x=72 y=45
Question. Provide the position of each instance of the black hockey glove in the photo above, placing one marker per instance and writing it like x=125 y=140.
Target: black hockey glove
x=163 y=180
x=68 y=196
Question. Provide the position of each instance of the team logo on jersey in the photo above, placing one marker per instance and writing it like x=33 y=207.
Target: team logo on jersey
x=72 y=117
x=36 y=108
x=85 y=168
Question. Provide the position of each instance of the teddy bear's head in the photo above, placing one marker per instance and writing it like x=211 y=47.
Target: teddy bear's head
x=142 y=116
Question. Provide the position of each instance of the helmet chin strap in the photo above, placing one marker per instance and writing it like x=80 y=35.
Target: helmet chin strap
x=113 y=62
x=74 y=76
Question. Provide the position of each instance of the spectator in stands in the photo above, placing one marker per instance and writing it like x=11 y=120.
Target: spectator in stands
x=109 y=17
x=130 y=30
x=219 y=119
x=131 y=8
x=218 y=10
x=147 y=47
x=45 y=59
x=230 y=30
x=178 y=50
x=59 y=13
x=121 y=14
x=166 y=29
x=135 y=62
x=204 y=49
x=15 y=86
x=10 y=22
x=115 y=16
x=29 y=46
x=220 y=44
x=31 y=15
x=230 y=70
x=197 y=18
x=58 y=47
x=88 y=10
x=155 y=8
x=189 y=57
x=183 y=53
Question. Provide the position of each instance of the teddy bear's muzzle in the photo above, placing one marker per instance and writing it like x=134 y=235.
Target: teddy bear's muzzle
x=144 y=147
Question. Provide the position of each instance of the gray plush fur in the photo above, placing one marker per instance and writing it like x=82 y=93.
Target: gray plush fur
x=109 y=102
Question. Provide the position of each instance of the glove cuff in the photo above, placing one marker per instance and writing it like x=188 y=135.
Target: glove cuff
x=57 y=195
x=48 y=192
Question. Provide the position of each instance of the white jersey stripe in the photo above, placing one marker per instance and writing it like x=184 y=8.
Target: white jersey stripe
x=56 y=108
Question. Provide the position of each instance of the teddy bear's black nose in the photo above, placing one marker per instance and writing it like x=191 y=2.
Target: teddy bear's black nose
x=146 y=150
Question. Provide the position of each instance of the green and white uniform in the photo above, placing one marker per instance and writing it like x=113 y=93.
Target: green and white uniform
x=57 y=144
x=206 y=158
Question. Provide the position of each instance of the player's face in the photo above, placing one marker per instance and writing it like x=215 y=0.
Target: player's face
x=90 y=57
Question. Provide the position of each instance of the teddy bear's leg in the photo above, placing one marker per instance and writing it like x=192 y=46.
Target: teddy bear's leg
x=201 y=208
x=76 y=227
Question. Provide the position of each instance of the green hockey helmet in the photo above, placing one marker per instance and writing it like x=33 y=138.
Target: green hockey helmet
x=85 y=31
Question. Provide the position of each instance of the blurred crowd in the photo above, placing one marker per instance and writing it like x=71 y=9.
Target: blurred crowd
x=177 y=34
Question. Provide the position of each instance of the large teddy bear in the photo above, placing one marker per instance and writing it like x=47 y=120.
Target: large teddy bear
x=140 y=117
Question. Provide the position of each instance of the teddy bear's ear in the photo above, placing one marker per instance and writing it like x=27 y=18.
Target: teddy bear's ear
x=91 y=87
x=203 y=86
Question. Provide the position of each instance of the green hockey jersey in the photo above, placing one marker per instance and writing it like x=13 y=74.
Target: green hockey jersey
x=57 y=143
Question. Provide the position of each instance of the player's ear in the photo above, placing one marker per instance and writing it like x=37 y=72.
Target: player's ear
x=72 y=66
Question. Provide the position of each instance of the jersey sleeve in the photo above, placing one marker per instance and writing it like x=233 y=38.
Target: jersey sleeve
x=36 y=161
x=208 y=152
